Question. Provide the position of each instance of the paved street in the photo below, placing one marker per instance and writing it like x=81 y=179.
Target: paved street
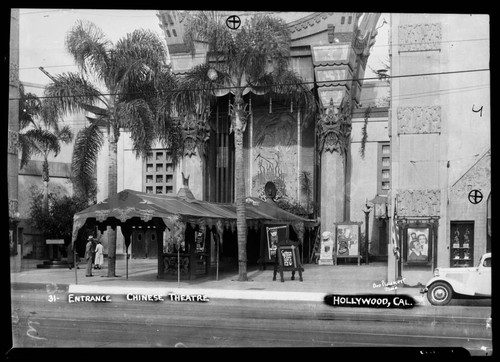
x=38 y=322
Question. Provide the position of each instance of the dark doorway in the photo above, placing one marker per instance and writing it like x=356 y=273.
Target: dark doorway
x=144 y=243
x=219 y=165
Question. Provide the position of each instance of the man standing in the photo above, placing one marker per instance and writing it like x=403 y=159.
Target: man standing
x=89 y=251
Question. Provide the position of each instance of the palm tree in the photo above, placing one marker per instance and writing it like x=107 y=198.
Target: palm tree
x=40 y=134
x=255 y=55
x=127 y=72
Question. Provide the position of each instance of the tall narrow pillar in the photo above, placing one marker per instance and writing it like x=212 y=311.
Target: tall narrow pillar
x=13 y=140
x=334 y=130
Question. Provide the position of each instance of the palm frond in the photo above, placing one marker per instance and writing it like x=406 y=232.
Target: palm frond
x=71 y=92
x=89 y=141
x=50 y=113
x=137 y=116
x=208 y=27
x=263 y=44
x=89 y=47
x=29 y=107
x=25 y=147
x=65 y=134
x=196 y=91
x=42 y=141
x=169 y=133
x=138 y=57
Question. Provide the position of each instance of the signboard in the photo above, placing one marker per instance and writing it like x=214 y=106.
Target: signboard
x=330 y=53
x=275 y=235
x=347 y=240
x=287 y=259
x=55 y=241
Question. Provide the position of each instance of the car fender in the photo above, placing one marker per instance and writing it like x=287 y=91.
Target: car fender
x=437 y=279
x=456 y=286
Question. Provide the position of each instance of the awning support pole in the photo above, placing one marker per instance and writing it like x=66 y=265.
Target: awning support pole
x=217 y=256
x=126 y=263
x=75 y=265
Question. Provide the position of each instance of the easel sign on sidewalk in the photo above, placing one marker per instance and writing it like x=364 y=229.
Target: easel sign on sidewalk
x=287 y=259
x=274 y=236
x=269 y=243
x=347 y=240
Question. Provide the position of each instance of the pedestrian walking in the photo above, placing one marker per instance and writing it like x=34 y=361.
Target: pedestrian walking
x=99 y=255
x=89 y=255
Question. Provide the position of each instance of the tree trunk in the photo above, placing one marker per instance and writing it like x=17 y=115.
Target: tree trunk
x=238 y=121
x=45 y=178
x=112 y=191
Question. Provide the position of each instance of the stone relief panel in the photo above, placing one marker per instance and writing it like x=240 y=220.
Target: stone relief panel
x=13 y=74
x=13 y=208
x=419 y=37
x=274 y=153
x=412 y=203
x=419 y=119
x=476 y=178
x=12 y=142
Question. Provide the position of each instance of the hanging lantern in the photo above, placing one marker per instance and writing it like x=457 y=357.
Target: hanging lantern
x=212 y=74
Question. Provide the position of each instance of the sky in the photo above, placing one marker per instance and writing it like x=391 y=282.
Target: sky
x=42 y=33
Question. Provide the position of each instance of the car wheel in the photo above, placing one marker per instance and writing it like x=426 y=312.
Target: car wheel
x=439 y=293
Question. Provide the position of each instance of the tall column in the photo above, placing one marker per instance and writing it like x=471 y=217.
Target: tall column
x=195 y=132
x=334 y=130
x=13 y=139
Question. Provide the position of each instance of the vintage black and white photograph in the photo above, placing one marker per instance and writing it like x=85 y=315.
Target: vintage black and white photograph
x=417 y=245
x=164 y=165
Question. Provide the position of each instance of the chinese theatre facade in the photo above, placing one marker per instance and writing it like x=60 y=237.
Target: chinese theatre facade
x=319 y=166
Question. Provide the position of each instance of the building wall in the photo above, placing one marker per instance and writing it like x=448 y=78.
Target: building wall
x=435 y=133
x=364 y=174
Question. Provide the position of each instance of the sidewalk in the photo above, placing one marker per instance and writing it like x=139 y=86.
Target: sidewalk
x=318 y=280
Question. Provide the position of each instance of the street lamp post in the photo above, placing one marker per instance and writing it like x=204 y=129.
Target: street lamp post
x=366 y=210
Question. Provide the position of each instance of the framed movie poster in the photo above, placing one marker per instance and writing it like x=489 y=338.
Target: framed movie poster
x=347 y=240
x=417 y=244
x=274 y=235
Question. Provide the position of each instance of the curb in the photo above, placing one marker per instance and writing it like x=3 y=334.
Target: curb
x=210 y=293
x=49 y=287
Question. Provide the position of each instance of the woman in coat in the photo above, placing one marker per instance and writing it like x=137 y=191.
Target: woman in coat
x=99 y=256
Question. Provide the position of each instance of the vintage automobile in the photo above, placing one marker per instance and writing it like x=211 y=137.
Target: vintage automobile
x=448 y=283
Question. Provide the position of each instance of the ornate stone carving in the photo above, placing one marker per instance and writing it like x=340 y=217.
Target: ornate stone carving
x=414 y=203
x=171 y=265
x=308 y=22
x=478 y=177
x=419 y=37
x=13 y=207
x=195 y=132
x=13 y=74
x=334 y=128
x=419 y=119
x=12 y=142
